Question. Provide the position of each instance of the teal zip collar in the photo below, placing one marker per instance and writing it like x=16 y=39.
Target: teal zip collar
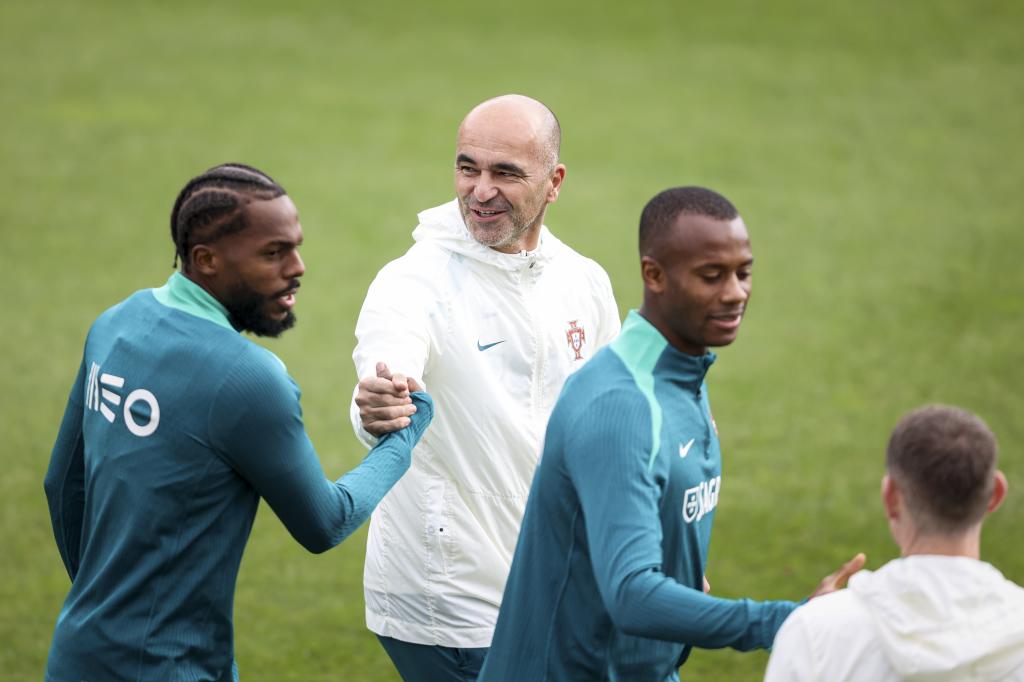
x=641 y=347
x=185 y=295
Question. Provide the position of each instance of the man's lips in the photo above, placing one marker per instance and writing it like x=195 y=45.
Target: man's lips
x=727 y=321
x=286 y=299
x=487 y=214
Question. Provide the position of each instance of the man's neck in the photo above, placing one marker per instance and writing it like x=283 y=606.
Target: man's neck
x=967 y=544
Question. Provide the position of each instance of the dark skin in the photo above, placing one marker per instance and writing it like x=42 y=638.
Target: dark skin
x=697 y=283
x=261 y=260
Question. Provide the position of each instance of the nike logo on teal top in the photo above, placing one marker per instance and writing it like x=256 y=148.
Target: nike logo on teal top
x=480 y=346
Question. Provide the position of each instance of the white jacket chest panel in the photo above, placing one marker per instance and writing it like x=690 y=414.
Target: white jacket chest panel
x=501 y=350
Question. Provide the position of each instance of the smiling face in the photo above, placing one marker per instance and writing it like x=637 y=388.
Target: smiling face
x=506 y=173
x=698 y=284
x=255 y=272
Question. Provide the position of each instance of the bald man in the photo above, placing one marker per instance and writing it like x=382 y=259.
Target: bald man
x=490 y=312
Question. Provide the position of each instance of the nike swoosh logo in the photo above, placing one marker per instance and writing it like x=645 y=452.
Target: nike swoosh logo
x=684 y=450
x=482 y=347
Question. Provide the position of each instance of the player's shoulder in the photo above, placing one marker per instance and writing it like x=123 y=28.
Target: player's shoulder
x=255 y=373
x=836 y=612
x=604 y=386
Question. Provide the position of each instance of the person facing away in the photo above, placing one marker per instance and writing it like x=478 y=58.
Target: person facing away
x=608 y=580
x=490 y=312
x=938 y=613
x=175 y=427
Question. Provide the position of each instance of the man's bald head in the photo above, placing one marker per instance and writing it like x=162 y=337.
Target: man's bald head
x=530 y=119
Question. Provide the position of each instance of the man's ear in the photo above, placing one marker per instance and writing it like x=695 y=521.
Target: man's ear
x=205 y=260
x=999 y=491
x=557 y=176
x=653 y=275
x=891 y=498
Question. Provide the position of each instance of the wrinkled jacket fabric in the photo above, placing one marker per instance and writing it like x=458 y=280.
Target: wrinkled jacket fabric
x=492 y=337
x=923 y=617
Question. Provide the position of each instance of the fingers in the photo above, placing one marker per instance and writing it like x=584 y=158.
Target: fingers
x=837 y=580
x=382 y=426
x=707 y=585
x=383 y=401
x=398 y=380
x=840 y=577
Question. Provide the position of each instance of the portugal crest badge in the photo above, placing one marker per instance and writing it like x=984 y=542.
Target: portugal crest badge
x=576 y=336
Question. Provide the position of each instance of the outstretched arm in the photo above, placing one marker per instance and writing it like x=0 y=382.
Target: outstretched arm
x=611 y=460
x=266 y=442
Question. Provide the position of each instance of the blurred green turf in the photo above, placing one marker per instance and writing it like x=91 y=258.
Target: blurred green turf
x=874 y=149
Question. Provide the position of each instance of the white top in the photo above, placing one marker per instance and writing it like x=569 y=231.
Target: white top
x=492 y=337
x=917 y=618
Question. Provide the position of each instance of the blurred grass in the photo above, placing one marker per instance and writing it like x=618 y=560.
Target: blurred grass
x=874 y=150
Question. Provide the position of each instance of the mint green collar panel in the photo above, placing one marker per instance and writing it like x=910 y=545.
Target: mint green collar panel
x=183 y=294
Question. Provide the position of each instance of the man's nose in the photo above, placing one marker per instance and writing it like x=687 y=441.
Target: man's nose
x=484 y=190
x=736 y=290
x=295 y=266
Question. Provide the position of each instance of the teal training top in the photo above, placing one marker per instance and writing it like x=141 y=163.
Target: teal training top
x=606 y=581
x=174 y=429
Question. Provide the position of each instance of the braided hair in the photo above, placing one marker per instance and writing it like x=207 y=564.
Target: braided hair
x=210 y=206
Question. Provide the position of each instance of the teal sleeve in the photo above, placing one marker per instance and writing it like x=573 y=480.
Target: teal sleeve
x=65 y=479
x=258 y=423
x=613 y=471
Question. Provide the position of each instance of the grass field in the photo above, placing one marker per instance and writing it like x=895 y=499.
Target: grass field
x=874 y=148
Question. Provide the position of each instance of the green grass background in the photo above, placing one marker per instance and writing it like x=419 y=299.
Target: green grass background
x=874 y=149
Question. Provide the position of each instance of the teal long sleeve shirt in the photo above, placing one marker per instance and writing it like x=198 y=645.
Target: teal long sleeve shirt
x=176 y=426
x=606 y=581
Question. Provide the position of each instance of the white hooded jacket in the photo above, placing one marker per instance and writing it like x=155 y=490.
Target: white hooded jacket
x=492 y=337
x=922 y=617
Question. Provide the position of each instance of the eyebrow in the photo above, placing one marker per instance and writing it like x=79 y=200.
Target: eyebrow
x=720 y=264
x=285 y=243
x=500 y=166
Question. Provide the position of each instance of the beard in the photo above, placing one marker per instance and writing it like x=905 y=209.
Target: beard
x=499 y=237
x=247 y=309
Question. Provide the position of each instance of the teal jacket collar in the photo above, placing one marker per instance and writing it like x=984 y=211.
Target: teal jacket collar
x=647 y=348
x=183 y=294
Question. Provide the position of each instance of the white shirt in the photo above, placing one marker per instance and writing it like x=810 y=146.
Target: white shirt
x=492 y=337
x=953 y=619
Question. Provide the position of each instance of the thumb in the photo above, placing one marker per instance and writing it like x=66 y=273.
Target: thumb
x=399 y=382
x=382 y=371
x=848 y=569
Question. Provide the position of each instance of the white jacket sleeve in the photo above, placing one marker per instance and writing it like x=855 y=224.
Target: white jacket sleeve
x=393 y=327
x=610 y=322
x=792 y=658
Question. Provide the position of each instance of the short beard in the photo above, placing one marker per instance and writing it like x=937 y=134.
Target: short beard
x=245 y=308
x=505 y=238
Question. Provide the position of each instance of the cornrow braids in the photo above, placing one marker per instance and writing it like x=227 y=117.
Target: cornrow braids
x=210 y=205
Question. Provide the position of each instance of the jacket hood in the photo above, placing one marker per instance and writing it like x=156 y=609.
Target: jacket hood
x=445 y=226
x=945 y=618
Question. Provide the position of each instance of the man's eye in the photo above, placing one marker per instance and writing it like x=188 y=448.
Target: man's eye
x=466 y=170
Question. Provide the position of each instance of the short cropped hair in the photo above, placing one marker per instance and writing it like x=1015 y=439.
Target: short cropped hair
x=943 y=458
x=660 y=213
